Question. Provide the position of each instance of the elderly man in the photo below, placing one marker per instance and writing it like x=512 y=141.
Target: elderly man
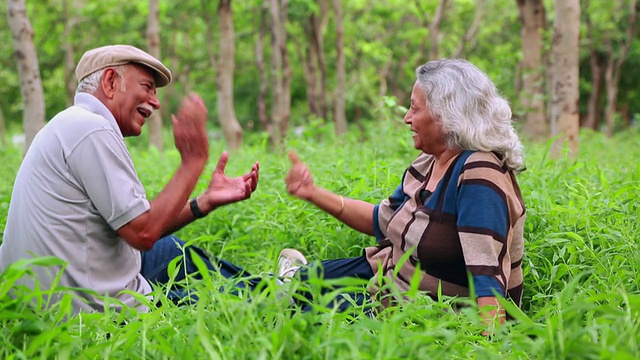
x=77 y=195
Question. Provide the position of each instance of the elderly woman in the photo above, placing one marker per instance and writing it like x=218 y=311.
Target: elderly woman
x=458 y=209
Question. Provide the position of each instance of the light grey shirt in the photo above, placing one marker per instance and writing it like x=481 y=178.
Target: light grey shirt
x=75 y=187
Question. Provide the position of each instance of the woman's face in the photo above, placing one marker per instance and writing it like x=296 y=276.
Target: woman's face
x=428 y=135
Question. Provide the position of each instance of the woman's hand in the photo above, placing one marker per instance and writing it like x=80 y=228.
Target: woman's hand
x=299 y=180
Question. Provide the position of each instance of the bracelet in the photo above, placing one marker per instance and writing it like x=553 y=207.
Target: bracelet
x=195 y=210
x=341 y=206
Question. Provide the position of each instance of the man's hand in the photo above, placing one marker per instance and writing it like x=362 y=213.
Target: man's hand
x=189 y=130
x=224 y=190
x=299 y=180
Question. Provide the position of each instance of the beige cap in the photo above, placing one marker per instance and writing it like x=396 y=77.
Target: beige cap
x=114 y=55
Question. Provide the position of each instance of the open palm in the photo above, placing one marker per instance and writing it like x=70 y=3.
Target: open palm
x=224 y=190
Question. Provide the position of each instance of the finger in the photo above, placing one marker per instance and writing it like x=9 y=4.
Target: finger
x=254 y=182
x=294 y=157
x=174 y=120
x=222 y=162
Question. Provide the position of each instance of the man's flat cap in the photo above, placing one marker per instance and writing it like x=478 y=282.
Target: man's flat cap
x=114 y=55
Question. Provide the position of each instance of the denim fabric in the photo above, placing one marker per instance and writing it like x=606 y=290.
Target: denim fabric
x=155 y=263
x=356 y=267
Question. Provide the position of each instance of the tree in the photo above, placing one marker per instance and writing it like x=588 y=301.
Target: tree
x=281 y=108
x=566 y=64
x=312 y=56
x=597 y=62
x=533 y=18
x=614 y=63
x=153 y=44
x=224 y=77
x=27 y=61
x=69 y=21
x=340 y=116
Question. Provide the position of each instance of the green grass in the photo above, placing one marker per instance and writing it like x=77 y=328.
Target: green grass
x=582 y=265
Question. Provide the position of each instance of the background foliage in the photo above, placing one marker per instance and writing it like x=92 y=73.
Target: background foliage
x=377 y=34
x=581 y=265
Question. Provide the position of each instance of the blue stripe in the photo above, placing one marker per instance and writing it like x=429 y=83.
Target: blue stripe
x=376 y=224
x=449 y=205
x=479 y=206
x=487 y=286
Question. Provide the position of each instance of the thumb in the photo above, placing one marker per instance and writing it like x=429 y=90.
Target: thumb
x=294 y=157
x=222 y=162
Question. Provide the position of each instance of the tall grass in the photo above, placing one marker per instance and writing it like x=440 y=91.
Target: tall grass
x=582 y=265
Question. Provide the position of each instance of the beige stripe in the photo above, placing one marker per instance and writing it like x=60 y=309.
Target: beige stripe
x=479 y=249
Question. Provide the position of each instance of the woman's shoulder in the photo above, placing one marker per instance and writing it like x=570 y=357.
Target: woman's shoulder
x=422 y=163
x=484 y=157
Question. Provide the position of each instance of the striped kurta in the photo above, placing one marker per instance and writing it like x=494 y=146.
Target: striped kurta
x=470 y=227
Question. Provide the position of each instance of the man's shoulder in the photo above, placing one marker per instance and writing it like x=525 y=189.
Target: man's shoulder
x=78 y=122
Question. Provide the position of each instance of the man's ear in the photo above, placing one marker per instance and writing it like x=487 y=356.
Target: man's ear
x=108 y=82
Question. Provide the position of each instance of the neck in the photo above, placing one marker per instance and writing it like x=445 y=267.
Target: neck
x=444 y=159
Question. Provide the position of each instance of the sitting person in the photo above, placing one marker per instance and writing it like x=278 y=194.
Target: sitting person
x=458 y=208
x=77 y=195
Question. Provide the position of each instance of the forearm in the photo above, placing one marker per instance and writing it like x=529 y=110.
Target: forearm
x=491 y=312
x=356 y=214
x=169 y=210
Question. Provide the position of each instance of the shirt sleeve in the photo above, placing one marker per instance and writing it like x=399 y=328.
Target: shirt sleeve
x=102 y=165
x=483 y=225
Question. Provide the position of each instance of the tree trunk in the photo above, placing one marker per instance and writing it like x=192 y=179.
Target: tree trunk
x=224 y=77
x=594 y=105
x=341 y=72
x=614 y=65
x=153 y=43
x=533 y=18
x=262 y=92
x=27 y=60
x=566 y=51
x=70 y=80
x=281 y=108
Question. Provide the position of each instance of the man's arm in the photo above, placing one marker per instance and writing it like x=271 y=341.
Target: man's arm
x=167 y=212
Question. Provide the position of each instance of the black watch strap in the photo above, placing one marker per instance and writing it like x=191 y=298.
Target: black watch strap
x=195 y=210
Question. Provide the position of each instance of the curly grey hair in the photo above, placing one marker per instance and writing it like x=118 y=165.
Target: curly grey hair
x=91 y=82
x=473 y=114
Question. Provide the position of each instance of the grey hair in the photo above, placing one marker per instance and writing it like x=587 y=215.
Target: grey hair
x=91 y=82
x=473 y=114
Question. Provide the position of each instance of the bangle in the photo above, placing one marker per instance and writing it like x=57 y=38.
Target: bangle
x=341 y=206
x=195 y=210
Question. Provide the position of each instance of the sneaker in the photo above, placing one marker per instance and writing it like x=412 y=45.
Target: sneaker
x=289 y=263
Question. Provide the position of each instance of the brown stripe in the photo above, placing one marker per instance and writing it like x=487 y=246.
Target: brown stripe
x=416 y=174
x=516 y=264
x=484 y=164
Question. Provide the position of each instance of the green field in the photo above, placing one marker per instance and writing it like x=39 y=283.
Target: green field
x=582 y=265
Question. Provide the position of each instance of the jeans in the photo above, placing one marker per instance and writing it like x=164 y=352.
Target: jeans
x=356 y=267
x=155 y=264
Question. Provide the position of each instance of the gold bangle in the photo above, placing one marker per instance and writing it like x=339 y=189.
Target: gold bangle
x=341 y=206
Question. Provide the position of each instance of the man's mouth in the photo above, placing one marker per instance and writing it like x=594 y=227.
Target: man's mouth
x=144 y=112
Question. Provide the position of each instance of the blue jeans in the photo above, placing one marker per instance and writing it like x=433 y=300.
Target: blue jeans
x=356 y=267
x=155 y=264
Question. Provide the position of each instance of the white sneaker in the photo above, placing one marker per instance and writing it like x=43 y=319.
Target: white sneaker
x=289 y=263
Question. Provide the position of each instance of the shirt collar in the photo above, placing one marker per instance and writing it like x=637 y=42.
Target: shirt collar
x=92 y=104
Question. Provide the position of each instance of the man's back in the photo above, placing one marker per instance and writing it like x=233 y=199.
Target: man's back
x=75 y=186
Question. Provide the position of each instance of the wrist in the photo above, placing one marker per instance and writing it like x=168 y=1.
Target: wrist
x=197 y=210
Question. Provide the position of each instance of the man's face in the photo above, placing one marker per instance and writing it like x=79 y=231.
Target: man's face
x=134 y=99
